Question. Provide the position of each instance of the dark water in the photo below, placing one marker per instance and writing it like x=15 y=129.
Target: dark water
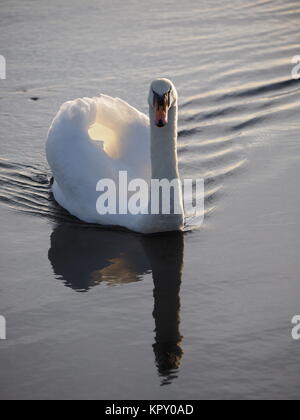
x=93 y=313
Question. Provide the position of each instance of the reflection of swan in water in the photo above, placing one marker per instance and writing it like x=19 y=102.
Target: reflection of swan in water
x=84 y=257
x=165 y=254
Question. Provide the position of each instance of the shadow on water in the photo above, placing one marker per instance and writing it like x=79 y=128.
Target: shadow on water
x=84 y=257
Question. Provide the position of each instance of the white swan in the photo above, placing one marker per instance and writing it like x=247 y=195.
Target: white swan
x=145 y=149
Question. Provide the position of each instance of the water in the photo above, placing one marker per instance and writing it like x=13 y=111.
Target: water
x=98 y=314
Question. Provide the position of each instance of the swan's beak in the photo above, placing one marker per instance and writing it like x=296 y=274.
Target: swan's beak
x=161 y=110
x=161 y=116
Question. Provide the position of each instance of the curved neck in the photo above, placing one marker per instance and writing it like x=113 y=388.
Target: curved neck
x=164 y=162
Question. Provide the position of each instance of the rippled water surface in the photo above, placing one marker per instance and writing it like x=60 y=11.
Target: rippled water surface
x=93 y=313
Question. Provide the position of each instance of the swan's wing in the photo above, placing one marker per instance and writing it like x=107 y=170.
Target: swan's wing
x=130 y=142
x=123 y=130
x=78 y=163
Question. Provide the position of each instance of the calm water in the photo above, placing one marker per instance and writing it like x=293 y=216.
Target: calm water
x=99 y=314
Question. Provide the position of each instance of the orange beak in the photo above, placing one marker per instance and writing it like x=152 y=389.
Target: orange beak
x=161 y=116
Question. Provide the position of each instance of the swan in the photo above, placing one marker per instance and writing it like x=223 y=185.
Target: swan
x=95 y=138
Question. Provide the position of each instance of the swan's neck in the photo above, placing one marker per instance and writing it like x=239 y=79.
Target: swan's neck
x=164 y=165
x=164 y=162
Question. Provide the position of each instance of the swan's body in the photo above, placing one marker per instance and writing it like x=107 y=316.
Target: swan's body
x=133 y=143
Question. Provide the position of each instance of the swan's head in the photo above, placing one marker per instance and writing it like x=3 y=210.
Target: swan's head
x=162 y=97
